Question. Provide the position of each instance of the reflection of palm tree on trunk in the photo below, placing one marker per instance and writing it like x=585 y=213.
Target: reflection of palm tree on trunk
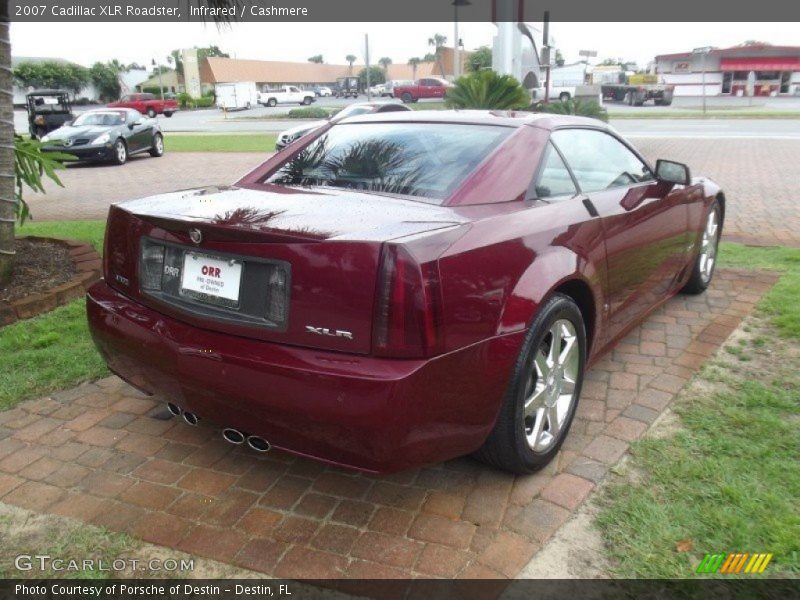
x=7 y=203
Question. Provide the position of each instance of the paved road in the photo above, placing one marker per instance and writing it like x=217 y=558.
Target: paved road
x=779 y=129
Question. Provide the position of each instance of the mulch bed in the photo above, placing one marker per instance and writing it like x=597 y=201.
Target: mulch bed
x=38 y=266
x=48 y=272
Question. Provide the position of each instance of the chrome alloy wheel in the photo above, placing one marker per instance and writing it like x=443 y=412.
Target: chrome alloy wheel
x=708 y=248
x=122 y=152
x=550 y=394
x=159 y=144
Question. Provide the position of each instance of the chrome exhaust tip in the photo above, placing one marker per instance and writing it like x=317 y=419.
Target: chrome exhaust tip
x=258 y=444
x=190 y=418
x=174 y=409
x=234 y=436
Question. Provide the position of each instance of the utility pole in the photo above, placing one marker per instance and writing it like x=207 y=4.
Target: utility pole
x=366 y=59
x=703 y=52
x=160 y=84
x=456 y=45
x=546 y=54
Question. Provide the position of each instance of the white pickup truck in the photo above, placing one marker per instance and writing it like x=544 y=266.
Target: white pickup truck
x=288 y=94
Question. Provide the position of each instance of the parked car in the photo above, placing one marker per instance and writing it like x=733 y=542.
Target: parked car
x=378 y=89
x=290 y=135
x=346 y=87
x=47 y=110
x=241 y=95
x=147 y=104
x=403 y=288
x=427 y=87
x=391 y=84
x=323 y=91
x=288 y=94
x=110 y=135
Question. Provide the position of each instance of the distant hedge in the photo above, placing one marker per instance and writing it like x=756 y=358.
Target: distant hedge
x=311 y=112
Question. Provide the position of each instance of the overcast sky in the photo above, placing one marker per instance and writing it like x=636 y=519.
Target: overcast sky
x=86 y=43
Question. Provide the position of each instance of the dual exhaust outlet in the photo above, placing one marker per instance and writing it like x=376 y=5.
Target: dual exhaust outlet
x=229 y=434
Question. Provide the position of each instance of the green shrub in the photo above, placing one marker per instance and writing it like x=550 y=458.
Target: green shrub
x=155 y=90
x=184 y=100
x=487 y=89
x=204 y=102
x=575 y=106
x=310 y=112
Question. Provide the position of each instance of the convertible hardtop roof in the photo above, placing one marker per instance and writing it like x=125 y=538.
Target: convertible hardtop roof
x=504 y=118
x=47 y=92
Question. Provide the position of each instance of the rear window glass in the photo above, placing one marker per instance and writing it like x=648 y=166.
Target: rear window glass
x=426 y=160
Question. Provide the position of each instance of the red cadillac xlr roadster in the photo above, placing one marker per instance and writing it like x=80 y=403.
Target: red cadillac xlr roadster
x=402 y=288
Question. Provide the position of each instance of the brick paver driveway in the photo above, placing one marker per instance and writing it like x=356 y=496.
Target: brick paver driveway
x=89 y=189
x=758 y=176
x=95 y=454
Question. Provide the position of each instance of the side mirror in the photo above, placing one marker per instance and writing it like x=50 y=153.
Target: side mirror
x=672 y=172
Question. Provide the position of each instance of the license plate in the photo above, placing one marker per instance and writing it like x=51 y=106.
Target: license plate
x=211 y=279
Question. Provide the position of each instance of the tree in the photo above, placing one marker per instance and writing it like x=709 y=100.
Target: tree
x=202 y=53
x=7 y=202
x=105 y=77
x=438 y=41
x=487 y=89
x=576 y=106
x=52 y=74
x=414 y=63
x=480 y=59
x=317 y=58
x=611 y=62
x=385 y=62
x=350 y=60
x=376 y=76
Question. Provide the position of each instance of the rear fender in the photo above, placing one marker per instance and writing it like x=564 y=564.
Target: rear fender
x=549 y=271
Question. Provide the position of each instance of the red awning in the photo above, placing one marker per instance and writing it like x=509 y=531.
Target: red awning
x=783 y=63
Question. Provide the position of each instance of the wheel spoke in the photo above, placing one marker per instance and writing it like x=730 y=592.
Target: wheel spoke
x=570 y=351
x=543 y=367
x=554 y=426
x=556 y=337
x=535 y=400
x=568 y=386
x=538 y=426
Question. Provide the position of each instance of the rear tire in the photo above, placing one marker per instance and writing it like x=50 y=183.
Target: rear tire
x=407 y=98
x=151 y=113
x=168 y=114
x=272 y=102
x=306 y=101
x=706 y=261
x=564 y=96
x=543 y=392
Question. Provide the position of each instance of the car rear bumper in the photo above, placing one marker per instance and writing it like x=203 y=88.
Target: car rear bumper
x=366 y=413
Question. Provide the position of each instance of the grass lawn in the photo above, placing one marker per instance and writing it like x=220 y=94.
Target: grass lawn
x=727 y=478
x=260 y=142
x=52 y=351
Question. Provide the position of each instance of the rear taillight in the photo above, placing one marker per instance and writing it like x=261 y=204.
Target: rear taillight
x=152 y=266
x=408 y=306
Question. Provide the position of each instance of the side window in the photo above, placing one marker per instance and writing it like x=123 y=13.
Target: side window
x=599 y=161
x=554 y=178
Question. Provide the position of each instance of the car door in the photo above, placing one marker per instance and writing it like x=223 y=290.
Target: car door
x=140 y=131
x=645 y=222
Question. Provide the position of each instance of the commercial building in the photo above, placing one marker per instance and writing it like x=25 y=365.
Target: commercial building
x=746 y=70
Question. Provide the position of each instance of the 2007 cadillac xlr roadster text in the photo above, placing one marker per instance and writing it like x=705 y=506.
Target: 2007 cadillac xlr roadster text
x=402 y=288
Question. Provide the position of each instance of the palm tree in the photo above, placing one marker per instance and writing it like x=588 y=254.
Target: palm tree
x=385 y=62
x=414 y=63
x=350 y=60
x=317 y=58
x=438 y=41
x=487 y=89
x=7 y=203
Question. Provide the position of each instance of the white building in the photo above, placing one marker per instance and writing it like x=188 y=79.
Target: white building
x=775 y=71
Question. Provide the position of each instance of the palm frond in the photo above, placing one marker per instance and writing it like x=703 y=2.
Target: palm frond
x=488 y=90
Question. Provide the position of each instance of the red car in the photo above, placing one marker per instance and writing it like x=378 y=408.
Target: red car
x=402 y=288
x=147 y=104
x=429 y=87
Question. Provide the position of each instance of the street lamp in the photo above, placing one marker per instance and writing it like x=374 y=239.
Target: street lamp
x=456 y=49
x=703 y=52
